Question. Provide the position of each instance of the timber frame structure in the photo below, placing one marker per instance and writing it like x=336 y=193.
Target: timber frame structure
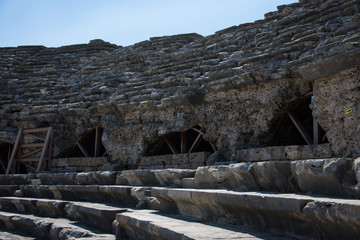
x=28 y=152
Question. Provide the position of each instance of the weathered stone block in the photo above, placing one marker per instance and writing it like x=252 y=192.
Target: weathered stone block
x=242 y=177
x=57 y=178
x=139 y=177
x=322 y=176
x=212 y=177
x=274 y=176
x=172 y=177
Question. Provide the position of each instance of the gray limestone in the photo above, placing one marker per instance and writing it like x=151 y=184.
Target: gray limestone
x=236 y=83
x=148 y=224
x=296 y=215
x=49 y=228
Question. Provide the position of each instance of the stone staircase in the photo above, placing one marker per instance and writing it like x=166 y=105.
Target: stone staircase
x=213 y=202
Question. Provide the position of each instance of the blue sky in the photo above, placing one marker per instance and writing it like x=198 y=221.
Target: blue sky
x=55 y=23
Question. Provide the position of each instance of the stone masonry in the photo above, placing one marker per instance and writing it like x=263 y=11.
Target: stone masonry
x=230 y=89
x=236 y=84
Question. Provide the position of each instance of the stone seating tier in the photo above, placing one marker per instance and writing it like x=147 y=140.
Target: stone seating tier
x=206 y=203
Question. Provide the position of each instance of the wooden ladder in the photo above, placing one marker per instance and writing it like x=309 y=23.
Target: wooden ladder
x=31 y=146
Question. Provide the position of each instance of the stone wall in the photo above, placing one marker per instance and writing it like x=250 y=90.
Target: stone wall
x=235 y=83
x=336 y=106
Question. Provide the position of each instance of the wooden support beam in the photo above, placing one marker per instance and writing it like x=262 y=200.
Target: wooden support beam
x=97 y=141
x=301 y=129
x=183 y=142
x=171 y=146
x=33 y=136
x=31 y=153
x=44 y=149
x=35 y=130
x=82 y=149
x=9 y=153
x=14 y=151
x=159 y=146
x=50 y=149
x=197 y=130
x=29 y=166
x=196 y=142
x=32 y=145
x=2 y=165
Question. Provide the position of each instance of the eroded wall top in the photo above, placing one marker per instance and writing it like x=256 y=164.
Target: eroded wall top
x=39 y=85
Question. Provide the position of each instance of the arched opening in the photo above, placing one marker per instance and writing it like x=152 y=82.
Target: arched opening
x=297 y=126
x=188 y=141
x=89 y=144
x=5 y=153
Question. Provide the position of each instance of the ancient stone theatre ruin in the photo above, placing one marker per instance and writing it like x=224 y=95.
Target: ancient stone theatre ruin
x=252 y=132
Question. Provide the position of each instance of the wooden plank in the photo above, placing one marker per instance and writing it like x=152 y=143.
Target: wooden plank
x=15 y=149
x=36 y=137
x=32 y=145
x=29 y=166
x=97 y=142
x=183 y=142
x=82 y=149
x=35 y=130
x=50 y=149
x=301 y=129
x=171 y=146
x=45 y=147
x=196 y=142
x=31 y=153
x=197 y=130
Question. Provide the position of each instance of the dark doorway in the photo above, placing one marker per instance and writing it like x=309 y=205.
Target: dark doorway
x=298 y=127
x=89 y=144
x=181 y=142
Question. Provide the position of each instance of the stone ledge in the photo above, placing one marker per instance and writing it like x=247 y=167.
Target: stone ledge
x=279 y=153
x=291 y=214
x=182 y=161
x=149 y=224
x=333 y=176
x=121 y=195
x=48 y=228
x=327 y=66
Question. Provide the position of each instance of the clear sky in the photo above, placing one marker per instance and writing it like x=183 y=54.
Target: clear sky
x=55 y=23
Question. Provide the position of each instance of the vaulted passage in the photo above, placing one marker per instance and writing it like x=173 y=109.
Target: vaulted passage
x=298 y=127
x=182 y=142
x=89 y=144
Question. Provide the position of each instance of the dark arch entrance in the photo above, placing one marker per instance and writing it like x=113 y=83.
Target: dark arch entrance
x=182 y=142
x=5 y=153
x=297 y=126
x=89 y=144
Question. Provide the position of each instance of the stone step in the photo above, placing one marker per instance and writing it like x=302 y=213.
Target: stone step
x=8 y=190
x=14 y=236
x=120 y=195
x=327 y=176
x=149 y=224
x=99 y=216
x=300 y=216
x=49 y=228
